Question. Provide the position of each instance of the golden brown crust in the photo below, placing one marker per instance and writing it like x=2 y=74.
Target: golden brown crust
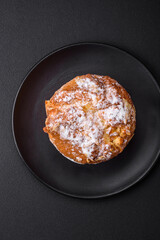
x=90 y=119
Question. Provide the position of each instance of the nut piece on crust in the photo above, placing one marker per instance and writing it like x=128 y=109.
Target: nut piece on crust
x=90 y=119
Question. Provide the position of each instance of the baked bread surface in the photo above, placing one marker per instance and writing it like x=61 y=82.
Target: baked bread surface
x=90 y=119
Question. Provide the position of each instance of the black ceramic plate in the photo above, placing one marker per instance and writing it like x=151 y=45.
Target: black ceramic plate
x=87 y=181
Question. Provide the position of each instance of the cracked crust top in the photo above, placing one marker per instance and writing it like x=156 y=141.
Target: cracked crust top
x=90 y=119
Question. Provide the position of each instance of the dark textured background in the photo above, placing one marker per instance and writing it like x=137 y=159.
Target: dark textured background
x=28 y=31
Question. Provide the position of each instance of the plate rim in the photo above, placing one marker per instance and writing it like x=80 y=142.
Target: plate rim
x=145 y=173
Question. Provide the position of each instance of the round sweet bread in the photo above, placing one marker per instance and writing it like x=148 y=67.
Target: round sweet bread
x=90 y=119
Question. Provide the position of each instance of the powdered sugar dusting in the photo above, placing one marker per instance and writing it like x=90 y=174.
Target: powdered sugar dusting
x=81 y=130
x=87 y=83
x=79 y=159
x=64 y=96
x=115 y=114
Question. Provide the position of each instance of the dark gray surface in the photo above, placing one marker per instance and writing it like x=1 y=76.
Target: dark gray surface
x=28 y=31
